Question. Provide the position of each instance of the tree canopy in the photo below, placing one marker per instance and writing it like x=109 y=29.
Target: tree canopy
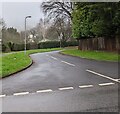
x=57 y=9
x=10 y=35
x=96 y=19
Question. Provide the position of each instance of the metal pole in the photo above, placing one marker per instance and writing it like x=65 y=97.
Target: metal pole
x=61 y=35
x=60 y=42
x=25 y=34
x=25 y=37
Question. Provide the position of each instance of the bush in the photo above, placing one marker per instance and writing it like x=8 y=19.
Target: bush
x=18 y=47
x=3 y=47
x=41 y=45
x=10 y=45
x=21 y=47
x=49 y=44
x=71 y=43
x=56 y=44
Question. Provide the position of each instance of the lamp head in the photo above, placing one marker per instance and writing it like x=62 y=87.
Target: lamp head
x=28 y=17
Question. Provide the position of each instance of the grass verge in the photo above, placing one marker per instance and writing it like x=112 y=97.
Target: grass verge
x=14 y=62
x=96 y=55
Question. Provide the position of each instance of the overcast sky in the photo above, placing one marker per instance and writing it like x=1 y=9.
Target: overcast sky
x=14 y=13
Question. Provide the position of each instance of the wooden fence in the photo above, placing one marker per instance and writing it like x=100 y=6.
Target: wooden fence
x=107 y=44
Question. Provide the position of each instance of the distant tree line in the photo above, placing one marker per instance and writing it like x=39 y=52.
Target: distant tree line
x=54 y=26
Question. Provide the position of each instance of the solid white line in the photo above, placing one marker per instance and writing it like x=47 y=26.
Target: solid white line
x=67 y=63
x=53 y=58
x=117 y=79
x=66 y=88
x=106 y=84
x=43 y=91
x=2 y=96
x=22 y=93
x=85 y=86
x=107 y=77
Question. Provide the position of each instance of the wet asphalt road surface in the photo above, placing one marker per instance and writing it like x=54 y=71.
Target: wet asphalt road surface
x=62 y=83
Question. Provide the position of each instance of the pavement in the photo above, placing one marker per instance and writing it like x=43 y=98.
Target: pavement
x=61 y=83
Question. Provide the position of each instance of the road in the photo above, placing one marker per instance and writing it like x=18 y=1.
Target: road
x=60 y=83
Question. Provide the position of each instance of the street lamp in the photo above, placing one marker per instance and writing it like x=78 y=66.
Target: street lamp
x=60 y=36
x=25 y=32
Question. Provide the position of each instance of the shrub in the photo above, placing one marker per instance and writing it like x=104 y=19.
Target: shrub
x=55 y=44
x=41 y=45
x=49 y=44
x=3 y=47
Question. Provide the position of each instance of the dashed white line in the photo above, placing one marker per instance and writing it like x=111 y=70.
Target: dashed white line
x=2 y=96
x=106 y=84
x=66 y=88
x=85 y=86
x=61 y=61
x=67 y=63
x=63 y=88
x=107 y=77
x=43 y=91
x=22 y=93
x=53 y=58
x=47 y=55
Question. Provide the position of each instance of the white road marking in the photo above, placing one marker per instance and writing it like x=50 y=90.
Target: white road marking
x=43 y=91
x=2 y=96
x=106 y=84
x=63 y=88
x=53 y=58
x=22 y=93
x=117 y=79
x=107 y=77
x=67 y=63
x=47 y=55
x=66 y=88
x=85 y=86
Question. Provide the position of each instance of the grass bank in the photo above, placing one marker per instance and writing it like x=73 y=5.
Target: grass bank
x=16 y=61
x=96 y=55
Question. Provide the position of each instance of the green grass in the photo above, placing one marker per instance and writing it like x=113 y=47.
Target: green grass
x=0 y=66
x=96 y=55
x=16 y=61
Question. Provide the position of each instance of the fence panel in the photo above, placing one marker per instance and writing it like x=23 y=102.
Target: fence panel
x=108 y=44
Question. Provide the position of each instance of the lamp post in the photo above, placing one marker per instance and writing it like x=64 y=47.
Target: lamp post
x=60 y=36
x=25 y=32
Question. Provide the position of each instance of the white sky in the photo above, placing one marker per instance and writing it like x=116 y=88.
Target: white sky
x=14 y=13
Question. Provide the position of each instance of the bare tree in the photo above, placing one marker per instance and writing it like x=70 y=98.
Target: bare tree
x=38 y=33
x=57 y=9
x=63 y=27
x=2 y=23
x=51 y=33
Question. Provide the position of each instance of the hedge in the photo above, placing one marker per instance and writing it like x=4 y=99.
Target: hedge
x=55 y=44
x=41 y=45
